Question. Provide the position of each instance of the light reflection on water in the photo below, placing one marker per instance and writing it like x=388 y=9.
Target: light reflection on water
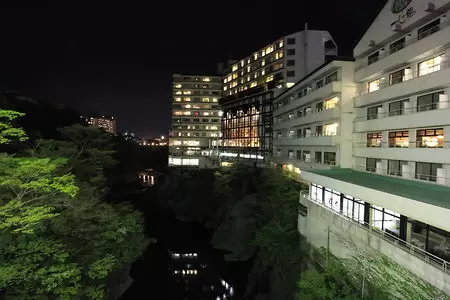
x=193 y=279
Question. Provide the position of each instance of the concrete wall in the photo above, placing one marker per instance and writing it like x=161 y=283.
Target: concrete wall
x=319 y=220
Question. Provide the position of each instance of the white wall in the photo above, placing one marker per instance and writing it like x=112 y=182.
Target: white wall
x=319 y=220
x=424 y=212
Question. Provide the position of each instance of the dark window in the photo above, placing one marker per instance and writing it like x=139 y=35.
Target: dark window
x=319 y=84
x=319 y=130
x=428 y=102
x=427 y=171
x=397 y=108
x=205 y=120
x=329 y=158
x=306 y=157
x=395 y=167
x=319 y=106
x=430 y=138
x=399 y=76
x=290 y=41
x=330 y=78
x=372 y=112
x=299 y=154
x=290 y=154
x=329 y=45
x=290 y=62
x=290 y=52
x=373 y=58
x=428 y=29
x=290 y=73
x=195 y=120
x=318 y=157
x=398 y=139
x=397 y=45
x=371 y=164
x=374 y=139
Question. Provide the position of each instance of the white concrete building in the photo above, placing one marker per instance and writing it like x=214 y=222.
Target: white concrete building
x=313 y=120
x=396 y=195
x=196 y=116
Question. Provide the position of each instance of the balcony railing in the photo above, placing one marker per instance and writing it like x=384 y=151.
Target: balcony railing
x=307 y=114
x=312 y=135
x=425 y=256
x=405 y=111
x=404 y=145
x=387 y=83
x=408 y=42
x=429 y=178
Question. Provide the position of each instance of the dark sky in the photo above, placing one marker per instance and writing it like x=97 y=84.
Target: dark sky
x=117 y=59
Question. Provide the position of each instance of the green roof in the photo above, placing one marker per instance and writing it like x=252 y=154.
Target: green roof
x=438 y=195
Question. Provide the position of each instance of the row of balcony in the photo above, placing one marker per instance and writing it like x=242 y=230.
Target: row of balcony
x=323 y=92
x=409 y=41
x=311 y=116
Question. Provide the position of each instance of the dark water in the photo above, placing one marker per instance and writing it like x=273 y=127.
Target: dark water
x=182 y=264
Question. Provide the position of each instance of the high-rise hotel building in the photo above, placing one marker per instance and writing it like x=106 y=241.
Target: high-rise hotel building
x=108 y=123
x=395 y=195
x=251 y=83
x=195 y=131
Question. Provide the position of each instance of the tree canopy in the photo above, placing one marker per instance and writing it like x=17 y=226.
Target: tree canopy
x=58 y=239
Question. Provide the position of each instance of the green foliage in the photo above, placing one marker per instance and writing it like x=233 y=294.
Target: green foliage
x=7 y=131
x=58 y=241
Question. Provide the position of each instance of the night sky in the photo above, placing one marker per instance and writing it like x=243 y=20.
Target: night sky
x=118 y=59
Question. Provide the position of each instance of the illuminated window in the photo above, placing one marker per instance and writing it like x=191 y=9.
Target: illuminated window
x=263 y=62
x=229 y=78
x=331 y=129
x=242 y=63
x=330 y=103
x=187 y=99
x=255 y=56
x=263 y=72
x=206 y=79
x=214 y=127
x=178 y=99
x=214 y=100
x=178 y=93
x=248 y=68
x=187 y=92
x=205 y=99
x=269 y=78
x=248 y=60
x=280 y=43
x=253 y=84
x=206 y=113
x=248 y=78
x=269 y=49
x=234 y=68
x=177 y=113
x=263 y=53
x=187 y=106
x=289 y=84
x=255 y=75
x=235 y=75
x=430 y=65
x=187 y=113
x=191 y=143
x=225 y=88
x=178 y=86
x=176 y=143
x=374 y=85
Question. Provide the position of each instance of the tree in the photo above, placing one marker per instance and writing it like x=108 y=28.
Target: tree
x=31 y=195
x=57 y=242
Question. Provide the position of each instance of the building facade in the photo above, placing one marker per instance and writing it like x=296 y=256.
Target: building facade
x=108 y=123
x=195 y=131
x=313 y=120
x=394 y=196
x=251 y=84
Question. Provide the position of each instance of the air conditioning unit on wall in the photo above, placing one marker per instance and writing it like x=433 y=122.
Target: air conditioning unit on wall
x=429 y=6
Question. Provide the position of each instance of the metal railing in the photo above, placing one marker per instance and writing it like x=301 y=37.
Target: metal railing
x=403 y=145
x=387 y=83
x=312 y=135
x=404 y=111
x=307 y=114
x=422 y=254
x=429 y=178
x=407 y=42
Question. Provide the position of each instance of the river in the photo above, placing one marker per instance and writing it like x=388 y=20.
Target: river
x=182 y=264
